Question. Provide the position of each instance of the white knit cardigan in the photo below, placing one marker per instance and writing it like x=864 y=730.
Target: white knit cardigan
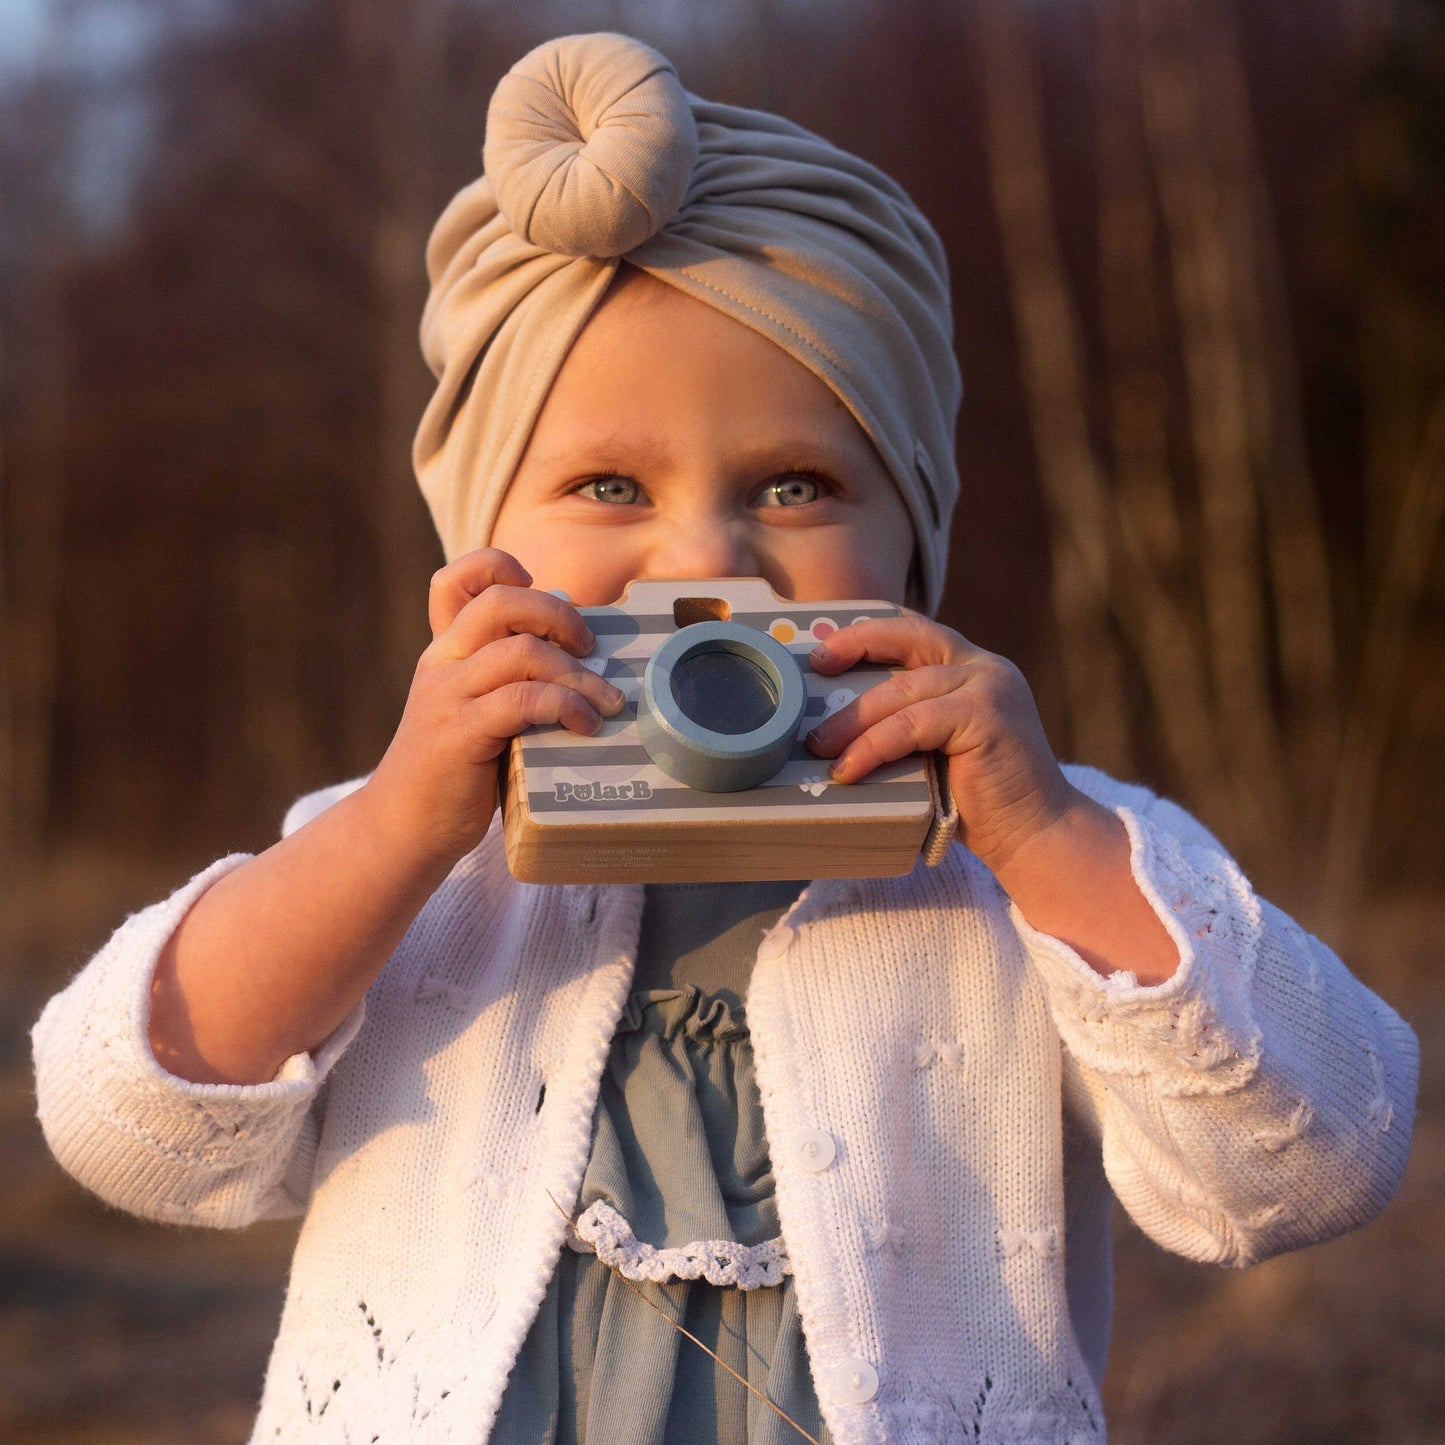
x=932 y=1042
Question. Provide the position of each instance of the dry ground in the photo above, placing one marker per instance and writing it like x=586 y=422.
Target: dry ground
x=126 y=1333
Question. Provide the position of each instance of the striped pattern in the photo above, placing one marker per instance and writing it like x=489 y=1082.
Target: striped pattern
x=569 y=778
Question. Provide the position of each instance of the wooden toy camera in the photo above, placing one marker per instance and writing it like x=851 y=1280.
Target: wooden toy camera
x=704 y=775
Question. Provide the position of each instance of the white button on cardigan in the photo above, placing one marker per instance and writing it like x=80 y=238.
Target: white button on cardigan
x=814 y=1150
x=855 y=1382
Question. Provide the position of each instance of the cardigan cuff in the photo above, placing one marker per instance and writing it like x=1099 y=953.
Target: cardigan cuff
x=1195 y=1032
x=98 y=1079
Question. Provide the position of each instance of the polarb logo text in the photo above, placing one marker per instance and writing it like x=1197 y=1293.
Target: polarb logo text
x=601 y=792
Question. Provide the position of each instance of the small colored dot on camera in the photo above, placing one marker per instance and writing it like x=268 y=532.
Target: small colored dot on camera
x=824 y=627
x=783 y=630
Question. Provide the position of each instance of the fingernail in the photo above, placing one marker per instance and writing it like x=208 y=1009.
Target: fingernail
x=814 y=737
x=835 y=772
x=615 y=698
x=819 y=652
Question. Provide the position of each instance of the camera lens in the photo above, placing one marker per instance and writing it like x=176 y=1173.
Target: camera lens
x=720 y=706
x=724 y=691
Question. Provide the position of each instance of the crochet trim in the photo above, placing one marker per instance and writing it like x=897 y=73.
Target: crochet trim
x=602 y=1231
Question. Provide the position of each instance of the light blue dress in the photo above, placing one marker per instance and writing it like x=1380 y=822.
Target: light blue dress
x=678 y=1160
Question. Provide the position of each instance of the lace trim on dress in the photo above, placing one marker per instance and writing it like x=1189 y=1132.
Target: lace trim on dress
x=602 y=1231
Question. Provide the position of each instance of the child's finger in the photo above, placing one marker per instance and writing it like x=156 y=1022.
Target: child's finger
x=505 y=611
x=921 y=727
x=509 y=710
x=526 y=658
x=468 y=576
x=835 y=732
x=907 y=641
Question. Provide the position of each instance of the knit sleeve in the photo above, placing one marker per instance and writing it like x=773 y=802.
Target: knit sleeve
x=1259 y=1099
x=153 y=1144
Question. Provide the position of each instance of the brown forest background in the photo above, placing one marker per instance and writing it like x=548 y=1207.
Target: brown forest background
x=1198 y=251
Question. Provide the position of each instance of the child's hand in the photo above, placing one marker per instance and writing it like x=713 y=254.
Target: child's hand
x=1061 y=857
x=1057 y=853
x=502 y=657
x=971 y=705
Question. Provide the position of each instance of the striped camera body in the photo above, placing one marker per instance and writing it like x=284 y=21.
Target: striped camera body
x=704 y=775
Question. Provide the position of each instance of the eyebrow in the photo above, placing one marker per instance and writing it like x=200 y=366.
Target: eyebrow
x=613 y=452
x=590 y=453
x=789 y=451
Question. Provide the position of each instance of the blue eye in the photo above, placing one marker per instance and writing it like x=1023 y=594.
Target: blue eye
x=795 y=490
x=619 y=490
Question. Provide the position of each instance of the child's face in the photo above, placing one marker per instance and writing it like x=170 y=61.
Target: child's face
x=678 y=443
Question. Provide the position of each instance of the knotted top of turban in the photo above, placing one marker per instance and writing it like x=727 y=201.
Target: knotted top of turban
x=595 y=152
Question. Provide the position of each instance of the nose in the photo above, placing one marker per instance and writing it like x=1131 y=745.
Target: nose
x=704 y=546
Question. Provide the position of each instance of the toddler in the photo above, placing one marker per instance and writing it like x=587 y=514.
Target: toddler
x=858 y=1137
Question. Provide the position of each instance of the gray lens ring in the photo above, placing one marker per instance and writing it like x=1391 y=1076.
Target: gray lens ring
x=715 y=762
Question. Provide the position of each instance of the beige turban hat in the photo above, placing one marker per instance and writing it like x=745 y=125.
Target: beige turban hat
x=594 y=152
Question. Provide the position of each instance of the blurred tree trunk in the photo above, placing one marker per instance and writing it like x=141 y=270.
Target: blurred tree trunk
x=1400 y=184
x=1052 y=353
x=1298 y=569
x=398 y=50
x=1152 y=591
x=33 y=464
x=35 y=508
x=1207 y=280
x=373 y=197
x=1378 y=697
